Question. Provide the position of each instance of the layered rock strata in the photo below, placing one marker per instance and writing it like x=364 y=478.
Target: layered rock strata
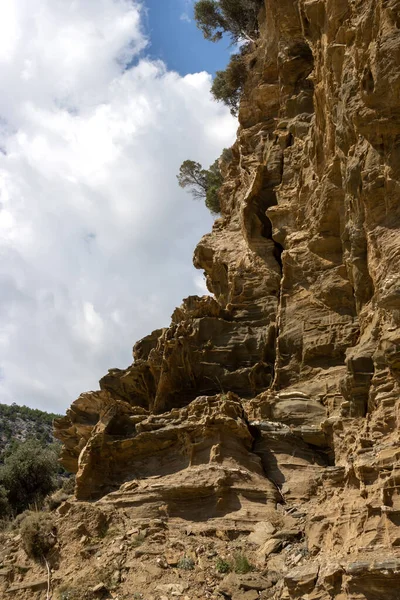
x=282 y=390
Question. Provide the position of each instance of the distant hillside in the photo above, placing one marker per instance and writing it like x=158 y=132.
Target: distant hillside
x=18 y=423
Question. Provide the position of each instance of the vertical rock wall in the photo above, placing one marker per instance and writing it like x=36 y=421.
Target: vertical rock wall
x=282 y=390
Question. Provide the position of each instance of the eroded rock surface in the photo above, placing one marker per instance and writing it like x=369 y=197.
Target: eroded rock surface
x=281 y=392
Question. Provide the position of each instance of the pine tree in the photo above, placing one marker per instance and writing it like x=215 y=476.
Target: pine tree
x=203 y=183
x=237 y=18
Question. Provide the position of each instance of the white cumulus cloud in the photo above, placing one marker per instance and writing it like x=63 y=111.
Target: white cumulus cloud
x=96 y=237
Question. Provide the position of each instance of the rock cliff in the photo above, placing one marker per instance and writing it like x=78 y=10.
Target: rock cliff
x=269 y=413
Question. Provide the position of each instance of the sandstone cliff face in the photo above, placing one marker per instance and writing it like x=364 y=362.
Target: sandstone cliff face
x=281 y=392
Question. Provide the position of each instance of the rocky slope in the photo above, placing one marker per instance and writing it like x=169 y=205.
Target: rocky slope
x=19 y=423
x=265 y=420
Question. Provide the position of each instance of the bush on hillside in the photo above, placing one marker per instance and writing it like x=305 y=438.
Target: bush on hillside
x=62 y=494
x=5 y=508
x=38 y=534
x=29 y=474
x=237 y=18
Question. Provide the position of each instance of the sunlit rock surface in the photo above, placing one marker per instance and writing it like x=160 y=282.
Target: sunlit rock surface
x=282 y=390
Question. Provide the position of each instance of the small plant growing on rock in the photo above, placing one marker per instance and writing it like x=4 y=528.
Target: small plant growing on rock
x=186 y=563
x=55 y=500
x=38 y=534
x=103 y=529
x=17 y=522
x=222 y=566
x=275 y=518
x=138 y=540
x=241 y=564
x=66 y=593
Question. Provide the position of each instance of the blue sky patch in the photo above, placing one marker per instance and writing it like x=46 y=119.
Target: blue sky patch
x=175 y=39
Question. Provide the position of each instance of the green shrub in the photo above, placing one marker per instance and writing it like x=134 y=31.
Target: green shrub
x=68 y=485
x=241 y=564
x=222 y=566
x=55 y=500
x=66 y=592
x=237 y=18
x=5 y=508
x=186 y=563
x=228 y=85
x=62 y=494
x=28 y=474
x=138 y=540
x=38 y=534
x=17 y=522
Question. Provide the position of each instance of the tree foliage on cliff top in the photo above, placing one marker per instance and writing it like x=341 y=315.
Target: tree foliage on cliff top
x=237 y=18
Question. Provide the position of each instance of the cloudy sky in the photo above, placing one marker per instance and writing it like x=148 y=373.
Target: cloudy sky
x=101 y=102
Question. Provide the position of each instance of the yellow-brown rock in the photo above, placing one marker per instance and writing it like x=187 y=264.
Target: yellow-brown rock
x=282 y=391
